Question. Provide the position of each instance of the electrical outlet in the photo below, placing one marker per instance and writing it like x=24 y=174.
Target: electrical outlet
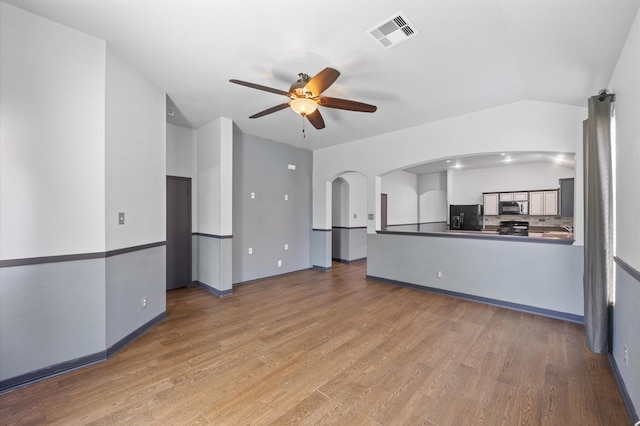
x=286 y=246
x=250 y=250
x=626 y=354
x=286 y=197
x=279 y=263
x=143 y=302
x=440 y=273
x=253 y=195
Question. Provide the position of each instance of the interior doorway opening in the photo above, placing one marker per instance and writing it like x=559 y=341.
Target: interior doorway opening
x=349 y=217
x=178 y=232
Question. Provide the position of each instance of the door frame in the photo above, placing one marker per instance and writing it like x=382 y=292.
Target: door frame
x=383 y=211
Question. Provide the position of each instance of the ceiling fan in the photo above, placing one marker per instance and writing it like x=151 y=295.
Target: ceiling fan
x=305 y=97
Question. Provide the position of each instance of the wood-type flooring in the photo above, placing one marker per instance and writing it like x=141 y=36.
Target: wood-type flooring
x=315 y=347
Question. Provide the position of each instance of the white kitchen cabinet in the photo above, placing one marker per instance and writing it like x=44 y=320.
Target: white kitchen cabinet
x=543 y=203
x=551 y=203
x=491 y=204
x=520 y=196
x=514 y=196
x=536 y=203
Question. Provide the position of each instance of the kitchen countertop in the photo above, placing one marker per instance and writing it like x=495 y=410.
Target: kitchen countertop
x=552 y=236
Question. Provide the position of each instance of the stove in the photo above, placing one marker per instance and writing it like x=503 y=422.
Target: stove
x=514 y=227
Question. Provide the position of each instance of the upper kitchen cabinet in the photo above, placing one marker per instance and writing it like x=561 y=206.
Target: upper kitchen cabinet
x=514 y=196
x=491 y=204
x=543 y=203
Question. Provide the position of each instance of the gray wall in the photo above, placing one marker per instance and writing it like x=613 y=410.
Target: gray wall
x=130 y=277
x=626 y=323
x=321 y=241
x=541 y=275
x=50 y=313
x=349 y=244
x=213 y=260
x=267 y=222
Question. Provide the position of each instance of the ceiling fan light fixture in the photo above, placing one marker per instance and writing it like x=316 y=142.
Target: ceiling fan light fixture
x=303 y=106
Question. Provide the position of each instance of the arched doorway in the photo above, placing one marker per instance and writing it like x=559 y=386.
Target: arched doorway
x=348 y=217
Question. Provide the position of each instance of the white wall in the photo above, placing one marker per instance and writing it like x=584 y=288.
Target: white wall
x=215 y=175
x=181 y=161
x=431 y=182
x=518 y=127
x=356 y=199
x=52 y=192
x=52 y=138
x=470 y=184
x=135 y=157
x=340 y=203
x=433 y=206
x=402 y=197
x=625 y=83
x=432 y=188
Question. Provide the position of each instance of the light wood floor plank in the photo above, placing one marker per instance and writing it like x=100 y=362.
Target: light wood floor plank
x=332 y=348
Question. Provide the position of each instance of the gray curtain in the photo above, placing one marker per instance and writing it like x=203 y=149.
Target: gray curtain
x=598 y=221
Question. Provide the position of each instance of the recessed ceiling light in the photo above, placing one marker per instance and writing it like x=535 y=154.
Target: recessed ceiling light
x=447 y=161
x=503 y=153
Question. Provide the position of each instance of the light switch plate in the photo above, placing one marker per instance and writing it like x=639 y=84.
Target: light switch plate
x=121 y=218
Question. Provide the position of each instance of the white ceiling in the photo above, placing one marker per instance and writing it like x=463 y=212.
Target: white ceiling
x=562 y=159
x=470 y=55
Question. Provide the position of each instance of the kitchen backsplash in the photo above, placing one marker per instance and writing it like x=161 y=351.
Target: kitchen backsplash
x=534 y=221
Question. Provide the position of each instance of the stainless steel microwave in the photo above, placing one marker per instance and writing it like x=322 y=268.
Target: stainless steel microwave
x=514 y=207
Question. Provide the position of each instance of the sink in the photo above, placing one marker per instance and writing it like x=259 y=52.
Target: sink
x=557 y=234
x=551 y=234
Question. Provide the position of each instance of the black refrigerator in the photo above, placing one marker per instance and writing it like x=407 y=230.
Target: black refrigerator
x=465 y=216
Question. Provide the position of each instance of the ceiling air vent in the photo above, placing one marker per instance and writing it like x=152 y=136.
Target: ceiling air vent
x=393 y=31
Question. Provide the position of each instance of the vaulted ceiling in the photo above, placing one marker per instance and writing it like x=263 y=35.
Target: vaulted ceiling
x=469 y=55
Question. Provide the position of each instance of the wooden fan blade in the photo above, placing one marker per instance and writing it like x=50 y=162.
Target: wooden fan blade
x=316 y=119
x=346 y=104
x=270 y=110
x=321 y=81
x=259 y=87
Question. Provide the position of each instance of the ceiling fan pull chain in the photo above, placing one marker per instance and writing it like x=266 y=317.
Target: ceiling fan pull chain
x=304 y=135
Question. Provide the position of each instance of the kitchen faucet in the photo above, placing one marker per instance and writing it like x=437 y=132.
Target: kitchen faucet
x=568 y=228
